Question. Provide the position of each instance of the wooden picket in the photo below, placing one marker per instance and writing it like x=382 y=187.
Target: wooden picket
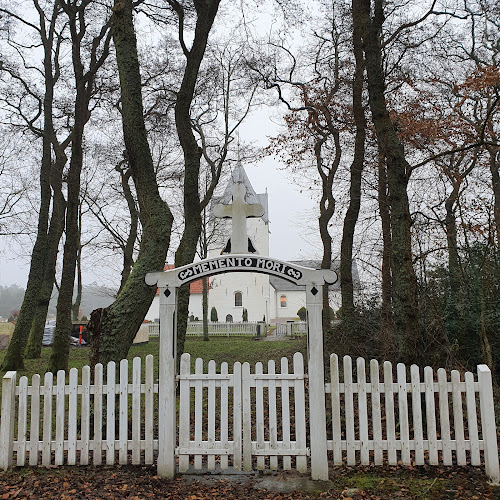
x=248 y=420
x=59 y=428
x=395 y=431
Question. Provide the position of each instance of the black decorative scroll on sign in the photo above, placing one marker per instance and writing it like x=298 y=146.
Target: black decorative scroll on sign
x=226 y=264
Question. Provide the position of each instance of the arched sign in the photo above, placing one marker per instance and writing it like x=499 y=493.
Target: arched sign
x=242 y=263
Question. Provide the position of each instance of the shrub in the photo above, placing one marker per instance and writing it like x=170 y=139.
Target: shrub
x=213 y=315
x=301 y=313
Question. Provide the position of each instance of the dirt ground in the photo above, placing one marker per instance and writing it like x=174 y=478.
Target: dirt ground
x=138 y=482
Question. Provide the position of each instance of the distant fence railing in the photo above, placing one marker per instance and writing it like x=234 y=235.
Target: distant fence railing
x=195 y=328
x=291 y=328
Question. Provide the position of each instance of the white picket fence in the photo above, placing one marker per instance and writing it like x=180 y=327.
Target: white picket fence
x=431 y=420
x=291 y=329
x=74 y=421
x=247 y=420
x=218 y=329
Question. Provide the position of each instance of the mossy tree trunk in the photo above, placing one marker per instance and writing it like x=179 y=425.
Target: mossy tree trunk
x=404 y=282
x=84 y=82
x=205 y=12
x=14 y=357
x=119 y=323
x=34 y=347
x=351 y=216
x=385 y=335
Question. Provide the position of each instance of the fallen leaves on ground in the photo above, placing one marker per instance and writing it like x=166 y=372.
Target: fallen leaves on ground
x=141 y=483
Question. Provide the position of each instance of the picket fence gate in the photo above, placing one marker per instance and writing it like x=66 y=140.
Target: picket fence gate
x=248 y=420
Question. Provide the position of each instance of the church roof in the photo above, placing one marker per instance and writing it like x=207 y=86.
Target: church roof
x=238 y=175
x=282 y=285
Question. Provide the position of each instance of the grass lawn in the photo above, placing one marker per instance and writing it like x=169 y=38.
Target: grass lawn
x=219 y=349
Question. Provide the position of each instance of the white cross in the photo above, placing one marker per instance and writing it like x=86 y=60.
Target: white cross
x=239 y=211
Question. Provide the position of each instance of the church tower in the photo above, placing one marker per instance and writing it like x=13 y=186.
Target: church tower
x=231 y=293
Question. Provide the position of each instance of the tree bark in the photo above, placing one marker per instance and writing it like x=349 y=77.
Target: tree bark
x=34 y=347
x=405 y=296
x=494 y=153
x=386 y=337
x=14 y=357
x=206 y=12
x=351 y=217
x=119 y=323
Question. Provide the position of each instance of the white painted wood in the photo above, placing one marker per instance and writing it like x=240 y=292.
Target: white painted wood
x=285 y=414
x=98 y=421
x=72 y=415
x=273 y=417
x=488 y=424
x=335 y=402
x=47 y=418
x=198 y=413
x=470 y=396
x=376 y=412
x=7 y=422
x=362 y=411
x=238 y=411
x=389 y=414
x=60 y=420
x=247 y=418
x=404 y=427
x=349 y=411
x=211 y=415
x=123 y=413
x=224 y=415
x=430 y=414
x=300 y=410
x=149 y=407
x=458 y=417
x=416 y=406
x=110 y=412
x=136 y=411
x=85 y=417
x=35 y=419
x=259 y=415
x=315 y=363
x=167 y=397
x=184 y=410
x=21 y=421
x=444 y=416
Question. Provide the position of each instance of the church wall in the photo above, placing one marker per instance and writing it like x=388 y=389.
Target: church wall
x=294 y=301
x=254 y=288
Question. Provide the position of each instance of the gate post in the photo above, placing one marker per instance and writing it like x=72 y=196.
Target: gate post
x=317 y=409
x=167 y=420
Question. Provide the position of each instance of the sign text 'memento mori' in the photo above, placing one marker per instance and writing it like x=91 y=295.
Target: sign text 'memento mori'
x=226 y=264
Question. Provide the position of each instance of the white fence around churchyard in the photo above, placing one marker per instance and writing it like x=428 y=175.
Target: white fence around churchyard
x=247 y=418
x=214 y=329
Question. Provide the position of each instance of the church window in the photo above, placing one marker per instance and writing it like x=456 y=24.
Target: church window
x=229 y=318
x=238 y=299
x=283 y=301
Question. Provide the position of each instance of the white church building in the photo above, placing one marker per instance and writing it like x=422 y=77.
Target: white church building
x=265 y=298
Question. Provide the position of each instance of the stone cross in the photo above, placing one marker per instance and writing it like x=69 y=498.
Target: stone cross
x=239 y=211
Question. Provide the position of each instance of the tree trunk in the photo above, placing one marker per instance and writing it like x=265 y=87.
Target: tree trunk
x=14 y=357
x=405 y=297
x=60 y=350
x=386 y=338
x=78 y=299
x=206 y=12
x=494 y=153
x=120 y=322
x=205 y=309
x=351 y=217
x=34 y=347
x=128 y=251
